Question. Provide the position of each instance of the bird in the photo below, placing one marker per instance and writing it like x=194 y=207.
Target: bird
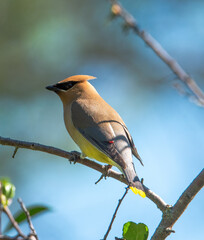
x=97 y=128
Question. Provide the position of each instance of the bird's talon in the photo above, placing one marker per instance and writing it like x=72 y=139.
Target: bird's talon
x=75 y=156
x=105 y=174
x=107 y=168
x=82 y=155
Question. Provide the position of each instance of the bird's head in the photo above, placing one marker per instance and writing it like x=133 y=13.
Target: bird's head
x=69 y=87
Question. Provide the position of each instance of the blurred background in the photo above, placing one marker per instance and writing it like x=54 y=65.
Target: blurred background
x=43 y=42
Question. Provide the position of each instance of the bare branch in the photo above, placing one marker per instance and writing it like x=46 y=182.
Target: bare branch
x=114 y=215
x=33 y=232
x=172 y=214
x=11 y=238
x=15 y=151
x=87 y=162
x=130 y=22
x=13 y=221
x=155 y=198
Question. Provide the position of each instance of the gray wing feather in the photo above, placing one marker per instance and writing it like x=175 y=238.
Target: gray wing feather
x=134 y=149
x=108 y=136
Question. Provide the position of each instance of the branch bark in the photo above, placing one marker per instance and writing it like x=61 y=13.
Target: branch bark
x=13 y=221
x=11 y=238
x=87 y=162
x=32 y=229
x=130 y=22
x=171 y=215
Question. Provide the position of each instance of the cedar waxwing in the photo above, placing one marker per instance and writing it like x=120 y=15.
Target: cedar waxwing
x=97 y=128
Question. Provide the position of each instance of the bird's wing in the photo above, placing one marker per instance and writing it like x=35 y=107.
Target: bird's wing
x=105 y=134
x=134 y=149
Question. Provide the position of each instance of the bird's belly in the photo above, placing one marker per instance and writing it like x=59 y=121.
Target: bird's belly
x=86 y=147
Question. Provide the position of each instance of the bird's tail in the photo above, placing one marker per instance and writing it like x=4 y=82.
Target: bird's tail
x=136 y=190
x=134 y=182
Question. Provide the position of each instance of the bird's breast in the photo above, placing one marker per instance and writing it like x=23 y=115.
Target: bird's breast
x=73 y=132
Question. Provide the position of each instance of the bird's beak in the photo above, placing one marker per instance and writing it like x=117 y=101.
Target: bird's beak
x=52 y=88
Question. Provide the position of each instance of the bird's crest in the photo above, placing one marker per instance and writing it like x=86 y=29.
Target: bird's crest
x=77 y=78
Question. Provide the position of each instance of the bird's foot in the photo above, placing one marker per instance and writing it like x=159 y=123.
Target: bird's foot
x=105 y=174
x=82 y=155
x=74 y=157
x=107 y=168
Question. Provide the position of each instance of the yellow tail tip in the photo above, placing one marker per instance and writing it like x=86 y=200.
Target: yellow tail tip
x=137 y=191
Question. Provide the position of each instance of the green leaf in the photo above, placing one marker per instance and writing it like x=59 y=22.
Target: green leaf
x=133 y=231
x=20 y=216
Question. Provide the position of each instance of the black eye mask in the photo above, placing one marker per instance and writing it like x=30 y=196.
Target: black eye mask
x=65 y=86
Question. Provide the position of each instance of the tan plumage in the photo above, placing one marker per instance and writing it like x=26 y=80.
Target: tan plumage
x=96 y=127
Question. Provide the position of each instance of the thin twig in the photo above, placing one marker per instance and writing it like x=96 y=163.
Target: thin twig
x=87 y=162
x=11 y=238
x=104 y=175
x=130 y=22
x=116 y=210
x=172 y=214
x=101 y=177
x=33 y=232
x=13 y=221
x=15 y=151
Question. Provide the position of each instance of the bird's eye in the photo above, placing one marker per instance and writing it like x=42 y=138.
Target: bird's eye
x=65 y=86
x=70 y=84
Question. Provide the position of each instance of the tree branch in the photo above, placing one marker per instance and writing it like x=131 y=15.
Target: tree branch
x=11 y=238
x=87 y=162
x=32 y=229
x=130 y=22
x=171 y=215
x=114 y=215
x=13 y=221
